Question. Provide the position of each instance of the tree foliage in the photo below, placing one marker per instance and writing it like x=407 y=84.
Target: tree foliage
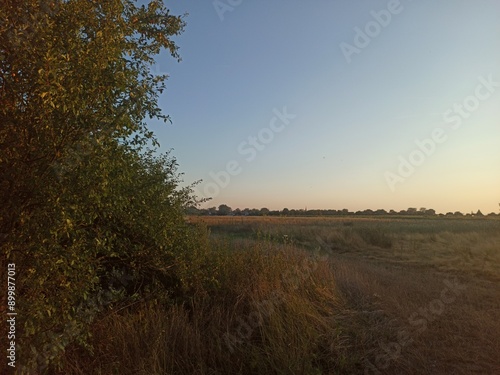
x=90 y=216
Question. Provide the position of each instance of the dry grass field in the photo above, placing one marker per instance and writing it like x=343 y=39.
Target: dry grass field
x=271 y=309
x=277 y=295
x=465 y=246
x=422 y=295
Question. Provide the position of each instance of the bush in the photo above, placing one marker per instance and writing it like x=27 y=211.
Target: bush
x=92 y=220
x=122 y=240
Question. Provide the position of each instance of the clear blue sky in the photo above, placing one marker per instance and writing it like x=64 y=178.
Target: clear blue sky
x=362 y=87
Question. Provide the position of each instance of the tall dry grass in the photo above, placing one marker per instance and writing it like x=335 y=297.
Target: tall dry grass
x=462 y=245
x=391 y=274
x=275 y=311
x=275 y=304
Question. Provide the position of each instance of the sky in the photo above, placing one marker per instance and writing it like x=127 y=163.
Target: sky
x=337 y=104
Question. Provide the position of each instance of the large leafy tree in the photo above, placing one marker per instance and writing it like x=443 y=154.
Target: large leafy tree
x=89 y=216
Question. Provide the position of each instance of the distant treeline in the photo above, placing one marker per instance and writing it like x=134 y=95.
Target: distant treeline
x=225 y=210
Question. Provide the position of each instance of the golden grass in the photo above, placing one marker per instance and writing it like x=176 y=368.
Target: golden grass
x=390 y=289
x=321 y=296
x=275 y=312
x=389 y=301
x=469 y=246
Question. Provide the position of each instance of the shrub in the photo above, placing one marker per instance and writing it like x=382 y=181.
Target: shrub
x=90 y=217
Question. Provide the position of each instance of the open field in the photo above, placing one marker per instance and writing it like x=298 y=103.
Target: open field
x=467 y=246
x=316 y=296
x=394 y=276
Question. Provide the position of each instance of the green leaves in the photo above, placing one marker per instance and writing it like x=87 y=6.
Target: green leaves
x=85 y=204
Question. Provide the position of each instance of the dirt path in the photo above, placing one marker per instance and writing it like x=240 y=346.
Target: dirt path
x=417 y=320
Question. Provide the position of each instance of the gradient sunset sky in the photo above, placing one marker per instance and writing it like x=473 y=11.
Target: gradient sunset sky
x=337 y=104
